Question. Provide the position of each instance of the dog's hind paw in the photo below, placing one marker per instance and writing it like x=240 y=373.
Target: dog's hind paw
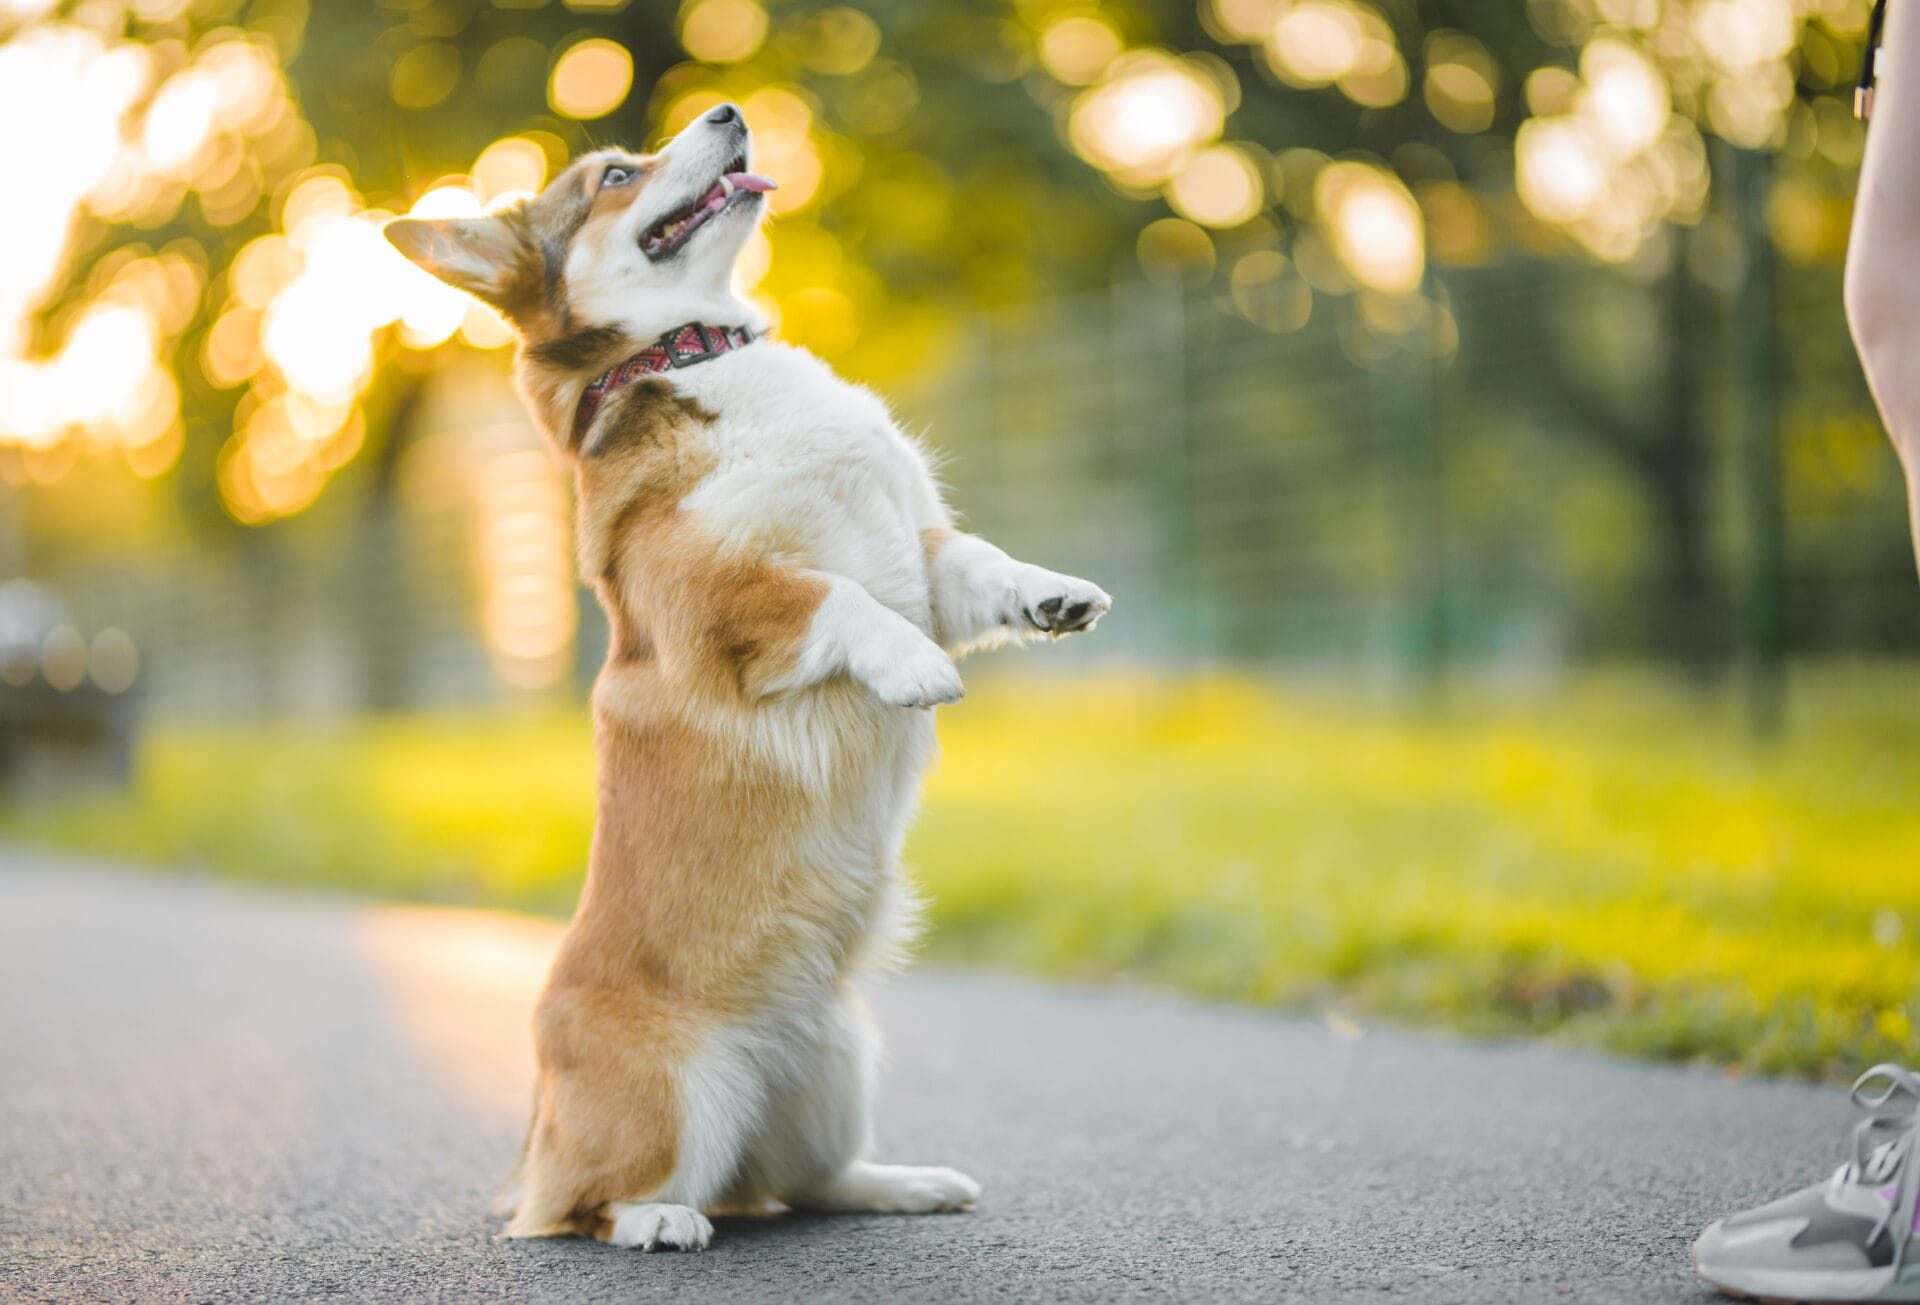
x=895 y=1189
x=656 y=1227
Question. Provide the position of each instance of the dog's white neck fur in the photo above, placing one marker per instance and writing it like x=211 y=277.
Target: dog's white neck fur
x=646 y=318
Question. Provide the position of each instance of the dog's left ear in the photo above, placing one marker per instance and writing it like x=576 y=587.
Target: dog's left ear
x=483 y=256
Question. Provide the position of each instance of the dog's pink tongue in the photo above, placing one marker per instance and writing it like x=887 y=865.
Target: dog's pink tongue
x=739 y=181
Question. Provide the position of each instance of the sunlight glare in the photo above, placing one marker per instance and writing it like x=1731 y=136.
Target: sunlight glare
x=1149 y=113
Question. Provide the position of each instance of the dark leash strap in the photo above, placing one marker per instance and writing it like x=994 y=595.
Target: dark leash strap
x=1863 y=91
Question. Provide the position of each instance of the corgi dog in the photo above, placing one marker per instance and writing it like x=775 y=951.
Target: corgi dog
x=786 y=594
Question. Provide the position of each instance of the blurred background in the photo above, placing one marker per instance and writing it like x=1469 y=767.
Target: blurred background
x=1516 y=623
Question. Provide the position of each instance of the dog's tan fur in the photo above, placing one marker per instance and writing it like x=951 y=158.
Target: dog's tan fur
x=705 y=907
x=679 y=901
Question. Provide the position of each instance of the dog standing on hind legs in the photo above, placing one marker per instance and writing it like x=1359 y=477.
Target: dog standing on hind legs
x=786 y=594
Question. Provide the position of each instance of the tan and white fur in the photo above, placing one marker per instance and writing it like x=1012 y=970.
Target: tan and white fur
x=787 y=593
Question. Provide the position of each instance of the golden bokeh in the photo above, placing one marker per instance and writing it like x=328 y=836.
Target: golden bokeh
x=425 y=75
x=1173 y=250
x=722 y=31
x=142 y=129
x=1239 y=20
x=841 y=41
x=1147 y=115
x=1315 y=43
x=1459 y=97
x=591 y=79
x=1377 y=83
x=1623 y=96
x=1219 y=187
x=1375 y=225
x=524 y=555
x=1077 y=49
x=514 y=166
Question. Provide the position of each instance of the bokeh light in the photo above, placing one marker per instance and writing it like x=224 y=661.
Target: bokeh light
x=63 y=658
x=138 y=135
x=306 y=309
x=525 y=562
x=722 y=31
x=1315 y=42
x=425 y=75
x=1375 y=225
x=1149 y=113
x=113 y=660
x=591 y=79
x=514 y=166
x=841 y=41
x=1219 y=187
x=1077 y=49
x=1173 y=250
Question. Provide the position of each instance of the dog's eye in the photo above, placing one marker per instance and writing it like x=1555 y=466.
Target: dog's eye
x=617 y=176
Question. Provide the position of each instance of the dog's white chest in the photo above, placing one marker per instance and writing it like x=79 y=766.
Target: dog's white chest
x=813 y=470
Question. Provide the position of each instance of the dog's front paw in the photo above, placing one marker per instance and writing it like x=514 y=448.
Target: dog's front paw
x=655 y=1227
x=911 y=673
x=1058 y=604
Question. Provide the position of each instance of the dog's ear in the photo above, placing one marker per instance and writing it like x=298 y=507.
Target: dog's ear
x=484 y=256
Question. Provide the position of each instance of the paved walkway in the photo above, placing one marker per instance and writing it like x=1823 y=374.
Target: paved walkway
x=214 y=1093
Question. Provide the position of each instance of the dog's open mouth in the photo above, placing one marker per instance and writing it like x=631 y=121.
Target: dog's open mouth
x=675 y=229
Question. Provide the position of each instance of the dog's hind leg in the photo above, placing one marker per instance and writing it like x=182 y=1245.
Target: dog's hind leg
x=722 y=1098
x=722 y=1094
x=809 y=1152
x=633 y=1142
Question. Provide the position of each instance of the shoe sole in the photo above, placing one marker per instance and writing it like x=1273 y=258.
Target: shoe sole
x=1773 y=1287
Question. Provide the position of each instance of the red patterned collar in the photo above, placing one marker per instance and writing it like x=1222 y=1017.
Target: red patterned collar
x=683 y=346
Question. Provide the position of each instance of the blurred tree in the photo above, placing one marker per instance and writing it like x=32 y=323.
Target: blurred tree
x=202 y=226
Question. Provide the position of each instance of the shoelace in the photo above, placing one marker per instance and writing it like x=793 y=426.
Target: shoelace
x=1879 y=1159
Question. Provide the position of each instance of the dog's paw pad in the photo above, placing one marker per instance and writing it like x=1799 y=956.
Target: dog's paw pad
x=1060 y=604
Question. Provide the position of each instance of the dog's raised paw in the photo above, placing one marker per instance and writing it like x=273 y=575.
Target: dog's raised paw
x=922 y=676
x=1059 y=604
x=656 y=1227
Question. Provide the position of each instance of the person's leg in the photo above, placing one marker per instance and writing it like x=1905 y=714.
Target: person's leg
x=1856 y=1237
x=1883 y=277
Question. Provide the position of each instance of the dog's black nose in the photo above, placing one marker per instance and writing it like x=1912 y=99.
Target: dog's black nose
x=723 y=115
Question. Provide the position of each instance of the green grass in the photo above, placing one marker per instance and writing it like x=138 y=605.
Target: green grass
x=1619 y=865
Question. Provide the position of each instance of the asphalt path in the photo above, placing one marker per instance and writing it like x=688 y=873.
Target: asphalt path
x=213 y=1092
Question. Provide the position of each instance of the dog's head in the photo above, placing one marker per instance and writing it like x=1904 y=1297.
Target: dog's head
x=618 y=249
